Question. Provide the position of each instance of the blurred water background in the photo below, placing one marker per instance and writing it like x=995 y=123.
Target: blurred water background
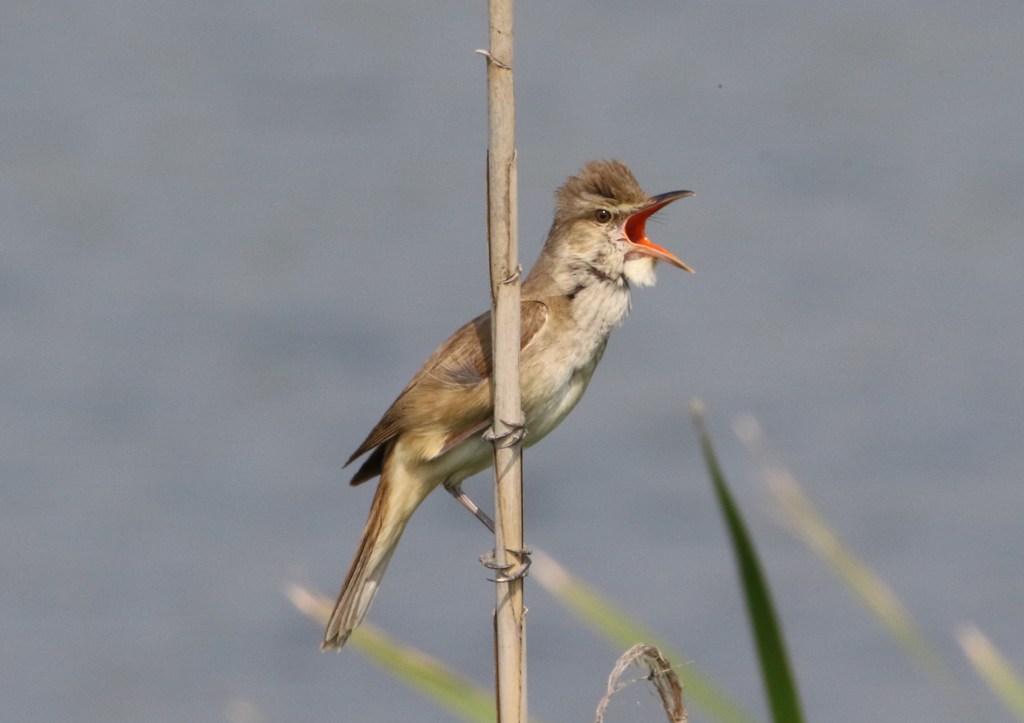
x=233 y=230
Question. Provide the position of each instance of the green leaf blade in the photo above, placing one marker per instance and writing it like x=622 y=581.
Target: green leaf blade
x=776 y=672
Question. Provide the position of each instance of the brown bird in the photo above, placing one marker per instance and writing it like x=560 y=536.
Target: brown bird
x=577 y=292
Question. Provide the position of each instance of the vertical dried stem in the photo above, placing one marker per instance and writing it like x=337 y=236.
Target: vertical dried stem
x=509 y=623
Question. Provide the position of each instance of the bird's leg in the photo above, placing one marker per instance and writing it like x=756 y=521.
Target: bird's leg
x=455 y=490
x=523 y=556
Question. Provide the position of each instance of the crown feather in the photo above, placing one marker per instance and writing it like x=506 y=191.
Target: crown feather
x=598 y=182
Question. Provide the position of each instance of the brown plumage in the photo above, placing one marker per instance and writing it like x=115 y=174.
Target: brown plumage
x=577 y=292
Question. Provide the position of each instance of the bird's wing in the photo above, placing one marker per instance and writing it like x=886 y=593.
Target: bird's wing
x=450 y=396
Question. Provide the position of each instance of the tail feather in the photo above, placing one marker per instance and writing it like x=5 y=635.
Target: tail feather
x=397 y=497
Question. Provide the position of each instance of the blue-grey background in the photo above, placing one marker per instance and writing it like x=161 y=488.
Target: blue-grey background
x=233 y=230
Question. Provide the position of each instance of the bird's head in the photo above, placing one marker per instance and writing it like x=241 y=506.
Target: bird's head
x=600 y=225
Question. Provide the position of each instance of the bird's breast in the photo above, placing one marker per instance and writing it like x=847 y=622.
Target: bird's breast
x=596 y=310
x=562 y=391
x=556 y=376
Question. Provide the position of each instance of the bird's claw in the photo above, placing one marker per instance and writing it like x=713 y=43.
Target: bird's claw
x=521 y=565
x=512 y=434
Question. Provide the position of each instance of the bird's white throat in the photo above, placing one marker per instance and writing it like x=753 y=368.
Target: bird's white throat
x=639 y=270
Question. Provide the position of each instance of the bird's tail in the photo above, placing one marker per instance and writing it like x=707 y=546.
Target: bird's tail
x=398 y=495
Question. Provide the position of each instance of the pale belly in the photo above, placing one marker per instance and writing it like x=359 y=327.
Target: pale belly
x=551 y=388
x=542 y=418
x=560 y=385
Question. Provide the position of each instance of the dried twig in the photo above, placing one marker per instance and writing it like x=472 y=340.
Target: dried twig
x=507 y=429
x=659 y=672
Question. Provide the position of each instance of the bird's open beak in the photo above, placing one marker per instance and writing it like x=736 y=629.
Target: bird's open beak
x=637 y=235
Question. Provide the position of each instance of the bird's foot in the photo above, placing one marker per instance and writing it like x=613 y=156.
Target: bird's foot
x=512 y=434
x=507 y=572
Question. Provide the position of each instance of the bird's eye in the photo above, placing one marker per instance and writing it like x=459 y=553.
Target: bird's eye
x=602 y=215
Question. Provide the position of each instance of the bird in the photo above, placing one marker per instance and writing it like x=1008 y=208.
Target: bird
x=433 y=433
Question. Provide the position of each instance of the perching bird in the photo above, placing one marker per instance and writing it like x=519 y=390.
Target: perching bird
x=577 y=292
